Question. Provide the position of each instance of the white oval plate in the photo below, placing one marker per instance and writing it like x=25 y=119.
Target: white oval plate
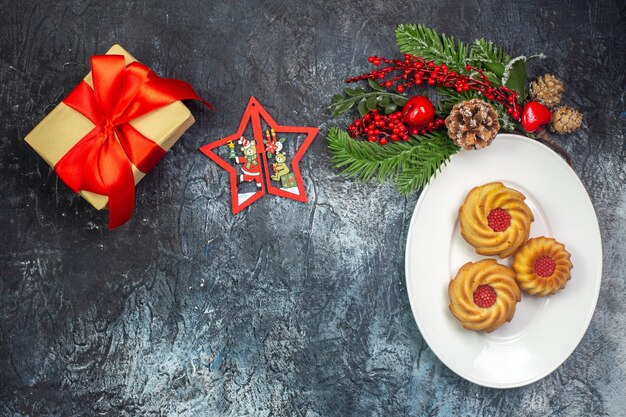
x=544 y=331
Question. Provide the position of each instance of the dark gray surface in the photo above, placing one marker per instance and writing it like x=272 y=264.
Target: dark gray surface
x=286 y=309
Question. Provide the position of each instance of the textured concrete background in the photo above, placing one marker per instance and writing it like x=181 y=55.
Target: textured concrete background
x=287 y=309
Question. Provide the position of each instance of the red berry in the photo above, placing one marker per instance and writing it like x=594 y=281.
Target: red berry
x=388 y=84
x=484 y=296
x=400 y=89
x=499 y=220
x=383 y=141
x=544 y=266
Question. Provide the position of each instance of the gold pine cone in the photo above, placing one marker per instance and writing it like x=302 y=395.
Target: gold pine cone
x=565 y=120
x=547 y=90
x=472 y=124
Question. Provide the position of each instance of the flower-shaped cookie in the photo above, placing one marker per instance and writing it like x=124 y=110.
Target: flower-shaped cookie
x=495 y=220
x=542 y=266
x=483 y=295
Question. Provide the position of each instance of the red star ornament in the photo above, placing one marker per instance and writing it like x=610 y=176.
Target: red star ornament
x=249 y=163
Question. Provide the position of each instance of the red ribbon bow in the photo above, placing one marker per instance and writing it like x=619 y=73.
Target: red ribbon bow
x=101 y=161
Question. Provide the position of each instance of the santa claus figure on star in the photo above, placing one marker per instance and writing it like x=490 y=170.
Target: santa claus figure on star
x=251 y=169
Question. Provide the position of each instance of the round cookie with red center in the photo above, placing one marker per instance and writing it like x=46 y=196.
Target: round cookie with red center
x=542 y=266
x=495 y=219
x=483 y=295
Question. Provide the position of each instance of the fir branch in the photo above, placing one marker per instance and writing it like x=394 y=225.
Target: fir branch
x=484 y=51
x=411 y=163
x=434 y=153
x=419 y=40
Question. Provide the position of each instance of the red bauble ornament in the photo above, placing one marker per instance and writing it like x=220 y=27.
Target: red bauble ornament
x=534 y=116
x=418 y=112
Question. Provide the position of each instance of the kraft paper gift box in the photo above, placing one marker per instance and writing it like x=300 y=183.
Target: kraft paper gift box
x=60 y=130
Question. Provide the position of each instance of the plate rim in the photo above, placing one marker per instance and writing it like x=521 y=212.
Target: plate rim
x=598 y=279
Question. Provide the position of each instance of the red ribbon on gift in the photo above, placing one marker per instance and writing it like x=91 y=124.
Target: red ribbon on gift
x=101 y=162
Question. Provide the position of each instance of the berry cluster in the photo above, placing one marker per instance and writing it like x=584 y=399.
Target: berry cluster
x=417 y=71
x=484 y=296
x=544 y=266
x=499 y=220
x=387 y=127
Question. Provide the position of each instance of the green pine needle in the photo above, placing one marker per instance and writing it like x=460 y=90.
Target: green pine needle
x=485 y=51
x=419 y=40
x=410 y=163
